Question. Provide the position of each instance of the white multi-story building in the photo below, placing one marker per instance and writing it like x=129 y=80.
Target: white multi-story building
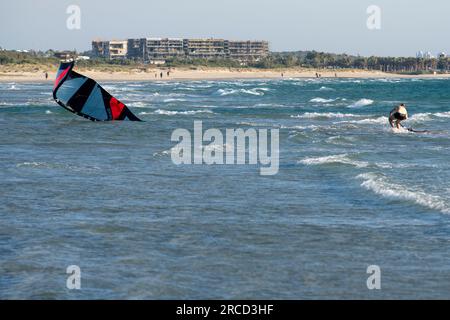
x=159 y=49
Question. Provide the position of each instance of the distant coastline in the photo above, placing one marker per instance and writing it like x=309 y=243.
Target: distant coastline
x=36 y=73
x=32 y=66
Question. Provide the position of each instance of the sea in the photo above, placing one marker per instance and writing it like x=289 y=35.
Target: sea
x=351 y=195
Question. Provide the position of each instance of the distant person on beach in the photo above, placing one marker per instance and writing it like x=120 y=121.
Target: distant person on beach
x=46 y=75
x=282 y=75
x=156 y=75
x=161 y=75
x=397 y=115
x=168 y=73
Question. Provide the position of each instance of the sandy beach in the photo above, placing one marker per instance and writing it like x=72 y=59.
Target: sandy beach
x=203 y=74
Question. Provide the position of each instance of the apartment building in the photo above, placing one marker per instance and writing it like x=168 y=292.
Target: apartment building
x=137 y=49
x=164 y=48
x=247 y=50
x=117 y=49
x=114 y=49
x=160 y=49
x=99 y=48
x=205 y=48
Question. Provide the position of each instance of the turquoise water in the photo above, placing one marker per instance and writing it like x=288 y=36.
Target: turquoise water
x=349 y=193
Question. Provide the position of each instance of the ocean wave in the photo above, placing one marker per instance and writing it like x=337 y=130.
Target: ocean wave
x=443 y=114
x=255 y=91
x=379 y=120
x=115 y=88
x=57 y=166
x=333 y=159
x=48 y=112
x=32 y=103
x=263 y=105
x=321 y=100
x=427 y=116
x=166 y=152
x=387 y=80
x=226 y=92
x=381 y=186
x=6 y=104
x=328 y=115
x=361 y=103
x=172 y=113
x=186 y=89
x=326 y=89
x=346 y=160
x=217 y=147
x=209 y=148
x=312 y=127
x=138 y=104
x=174 y=100
x=250 y=124
x=400 y=131
x=421 y=117
x=195 y=86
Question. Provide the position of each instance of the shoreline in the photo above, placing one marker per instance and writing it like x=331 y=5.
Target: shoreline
x=177 y=74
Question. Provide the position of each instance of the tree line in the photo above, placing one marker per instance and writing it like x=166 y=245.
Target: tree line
x=300 y=59
x=313 y=59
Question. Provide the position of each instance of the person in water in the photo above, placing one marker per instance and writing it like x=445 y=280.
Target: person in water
x=397 y=115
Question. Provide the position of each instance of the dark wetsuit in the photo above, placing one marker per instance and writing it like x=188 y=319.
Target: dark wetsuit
x=397 y=115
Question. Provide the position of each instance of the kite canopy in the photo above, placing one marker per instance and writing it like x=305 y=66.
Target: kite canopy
x=86 y=98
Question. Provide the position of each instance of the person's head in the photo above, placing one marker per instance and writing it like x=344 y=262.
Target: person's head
x=403 y=111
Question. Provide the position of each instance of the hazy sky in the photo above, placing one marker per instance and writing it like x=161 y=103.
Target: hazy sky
x=325 y=25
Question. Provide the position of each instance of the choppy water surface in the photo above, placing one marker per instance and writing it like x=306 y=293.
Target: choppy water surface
x=106 y=196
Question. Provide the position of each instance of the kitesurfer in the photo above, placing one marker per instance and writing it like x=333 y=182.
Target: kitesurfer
x=397 y=115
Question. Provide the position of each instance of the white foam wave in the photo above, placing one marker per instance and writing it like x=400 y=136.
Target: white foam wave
x=172 y=113
x=346 y=160
x=251 y=124
x=420 y=117
x=326 y=89
x=179 y=150
x=56 y=166
x=379 y=120
x=315 y=115
x=381 y=186
x=321 y=100
x=340 y=158
x=400 y=131
x=174 y=100
x=361 y=103
x=139 y=104
x=217 y=147
x=255 y=91
x=443 y=114
x=341 y=140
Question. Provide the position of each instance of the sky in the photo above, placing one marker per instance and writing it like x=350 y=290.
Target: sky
x=406 y=26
